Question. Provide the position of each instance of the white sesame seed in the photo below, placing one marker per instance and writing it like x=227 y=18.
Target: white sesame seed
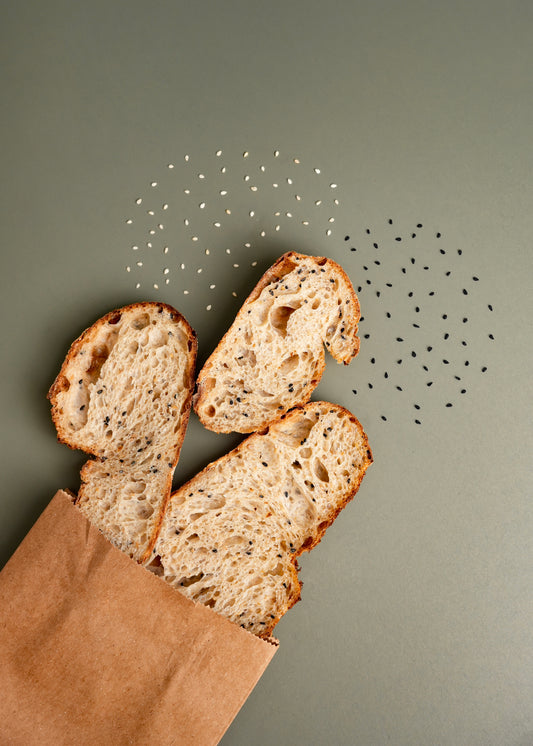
x=153 y=184
x=246 y=178
x=288 y=214
x=167 y=281
x=263 y=234
x=331 y=220
x=156 y=286
x=201 y=205
x=128 y=269
x=318 y=202
x=149 y=245
x=199 y=270
x=251 y=213
x=223 y=170
x=228 y=212
x=297 y=197
x=138 y=285
x=276 y=153
x=129 y=221
x=289 y=180
x=185 y=292
x=253 y=188
x=278 y=227
x=333 y=186
x=228 y=251
x=316 y=170
x=253 y=264
x=165 y=206
x=187 y=191
x=150 y=212
x=134 y=248
x=207 y=252
x=182 y=266
x=186 y=157
x=208 y=308
x=139 y=264
x=166 y=271
x=194 y=238
x=170 y=165
x=165 y=250
x=245 y=154
x=212 y=287
x=234 y=294
x=152 y=232
x=223 y=192
x=186 y=221
x=329 y=232
x=247 y=245
x=201 y=176
x=217 y=225
x=138 y=201
x=236 y=266
x=275 y=186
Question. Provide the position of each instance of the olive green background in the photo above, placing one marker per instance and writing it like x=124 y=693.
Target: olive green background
x=415 y=624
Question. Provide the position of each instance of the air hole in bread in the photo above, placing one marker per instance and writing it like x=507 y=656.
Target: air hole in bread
x=100 y=353
x=136 y=487
x=306 y=452
x=195 y=516
x=144 y=510
x=186 y=582
x=210 y=411
x=296 y=465
x=289 y=364
x=321 y=471
x=247 y=336
x=246 y=357
x=115 y=319
x=315 y=304
x=140 y=322
x=322 y=261
x=296 y=431
x=279 y=317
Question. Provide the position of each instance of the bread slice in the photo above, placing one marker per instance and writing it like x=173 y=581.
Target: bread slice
x=272 y=356
x=231 y=535
x=124 y=396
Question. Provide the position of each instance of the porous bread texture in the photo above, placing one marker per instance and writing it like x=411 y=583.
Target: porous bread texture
x=124 y=395
x=231 y=535
x=272 y=357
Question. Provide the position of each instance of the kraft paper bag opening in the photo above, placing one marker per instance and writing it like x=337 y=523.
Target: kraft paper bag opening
x=95 y=649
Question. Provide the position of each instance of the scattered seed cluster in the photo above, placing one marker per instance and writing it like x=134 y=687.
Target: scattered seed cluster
x=422 y=308
x=426 y=308
x=203 y=203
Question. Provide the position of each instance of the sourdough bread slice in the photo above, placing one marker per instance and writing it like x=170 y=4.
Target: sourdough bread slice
x=124 y=395
x=231 y=535
x=272 y=356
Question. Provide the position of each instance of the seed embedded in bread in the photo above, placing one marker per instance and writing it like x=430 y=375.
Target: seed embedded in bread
x=272 y=357
x=124 y=395
x=231 y=535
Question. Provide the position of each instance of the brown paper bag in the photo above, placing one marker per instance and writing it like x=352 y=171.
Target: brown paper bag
x=94 y=649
